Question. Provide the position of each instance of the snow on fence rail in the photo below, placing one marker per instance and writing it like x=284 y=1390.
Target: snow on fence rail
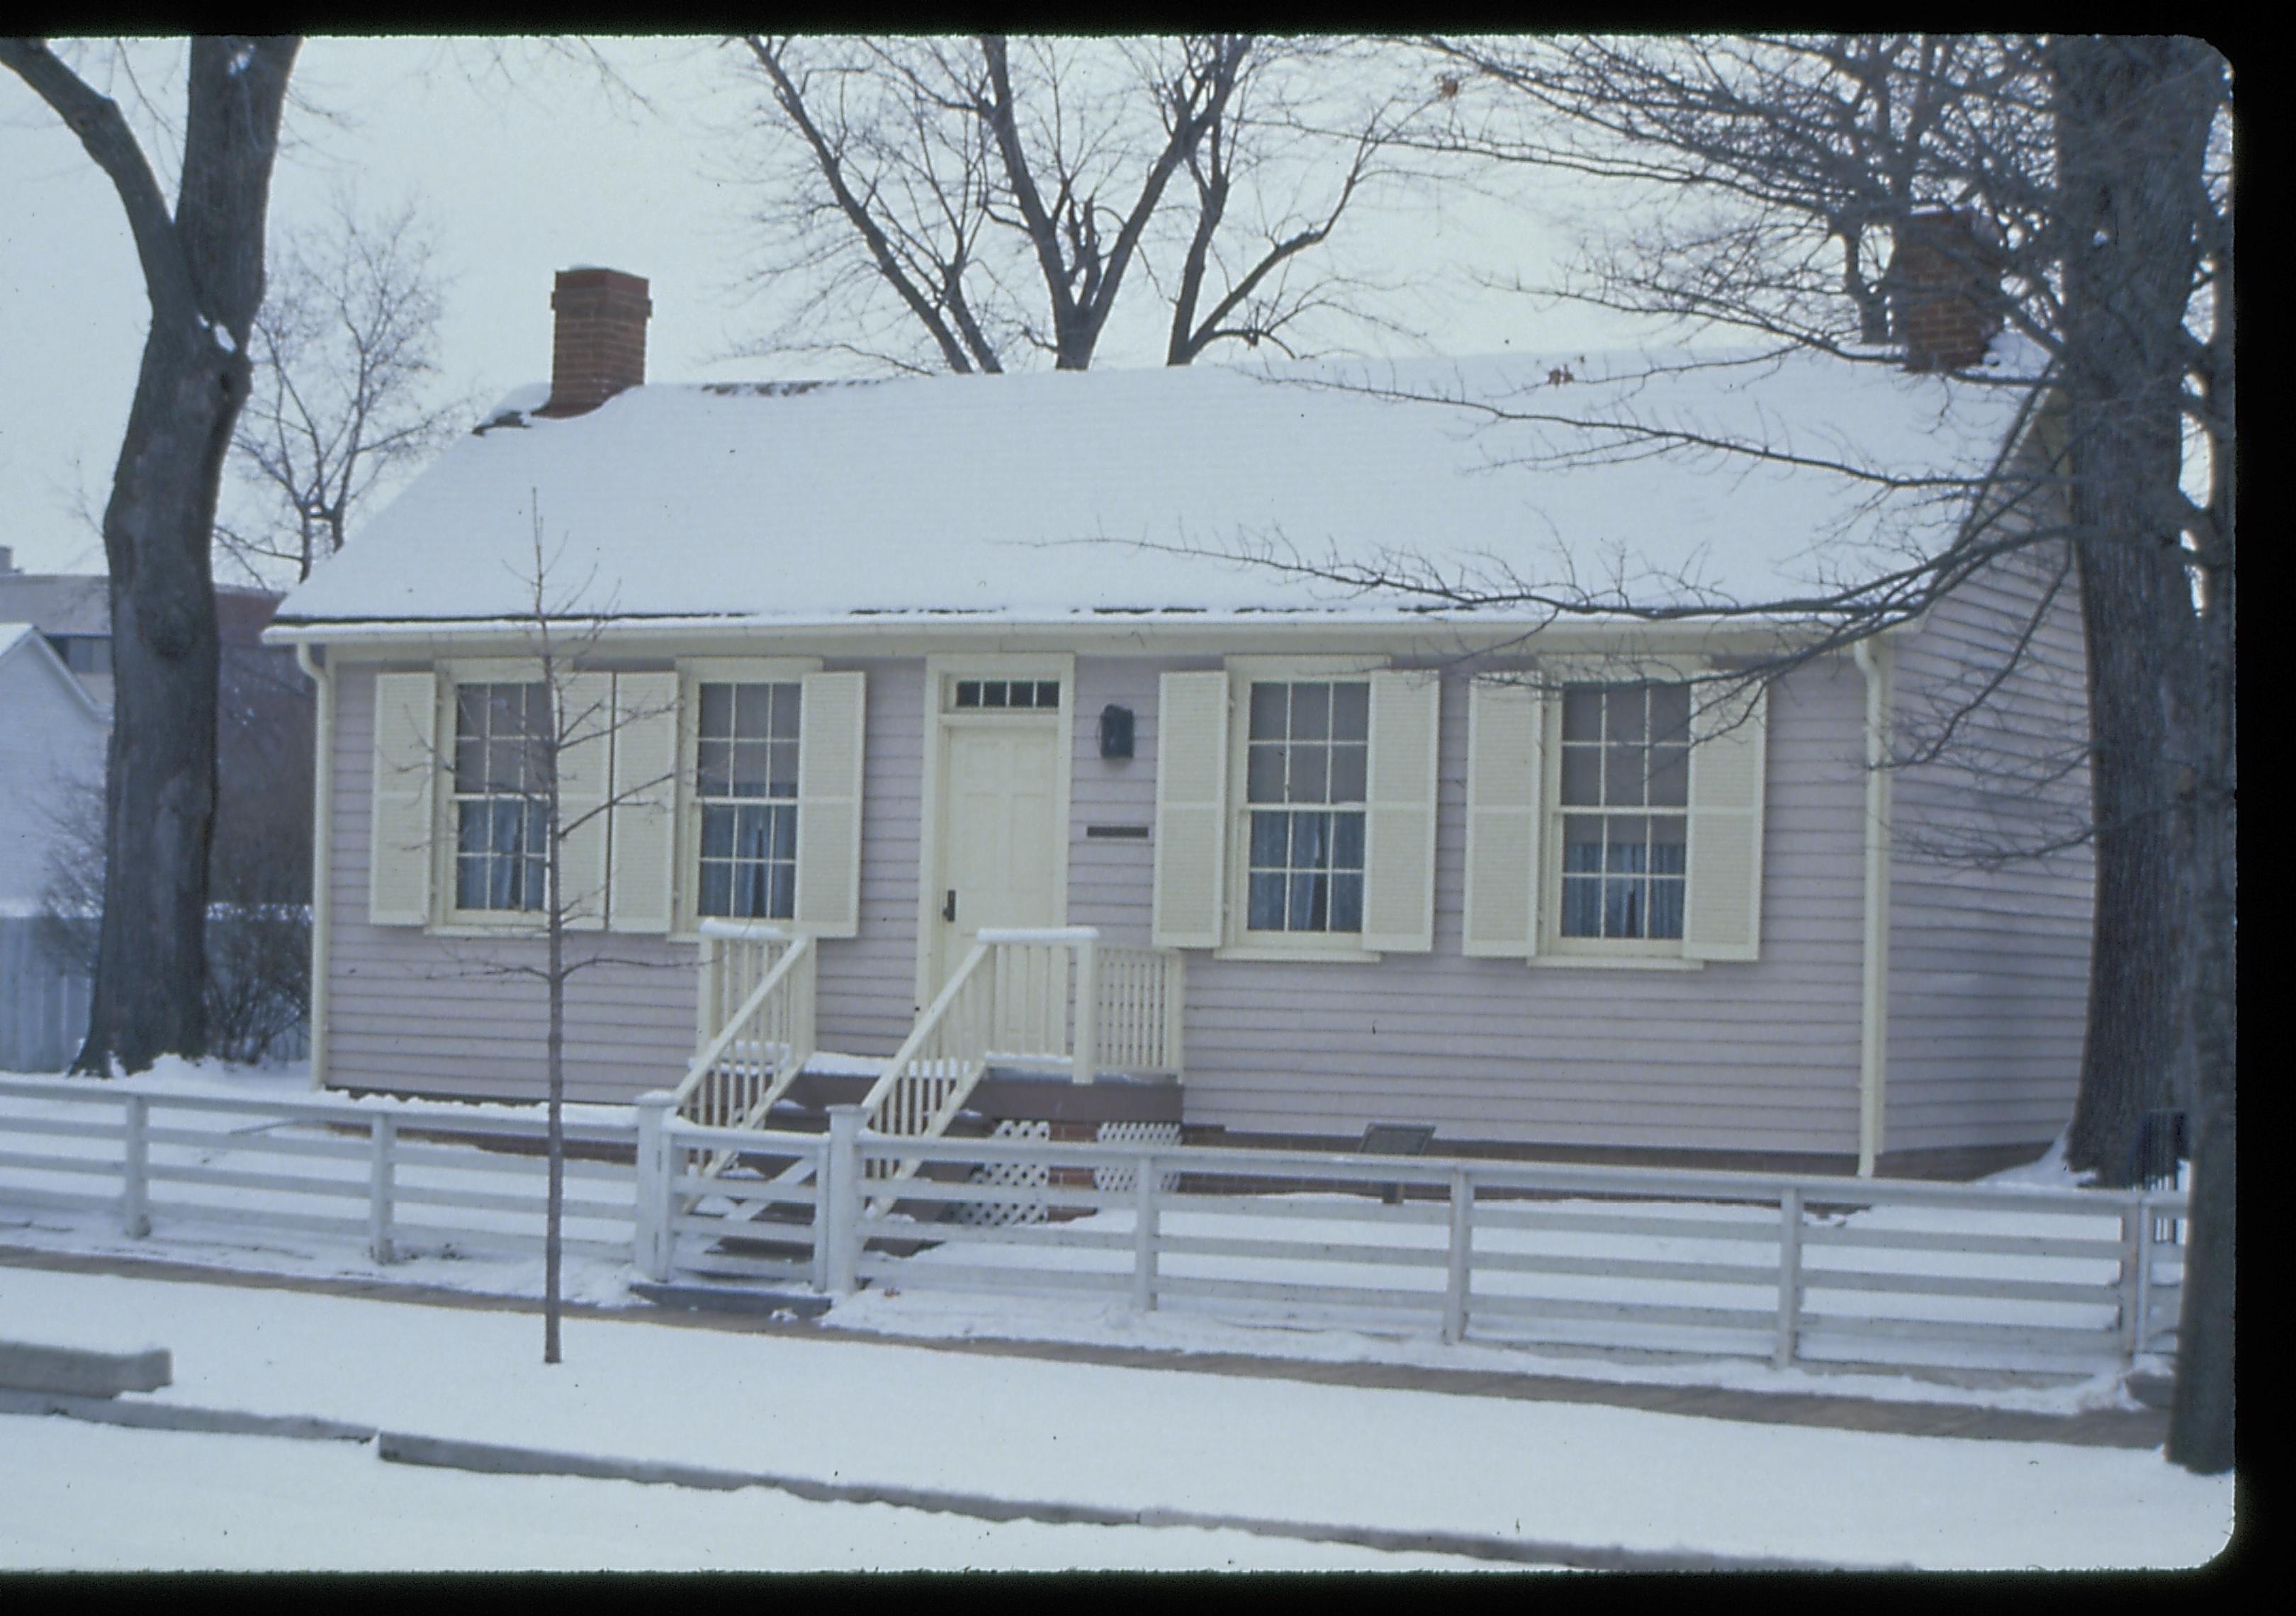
x=416 y=1184
x=1790 y=1268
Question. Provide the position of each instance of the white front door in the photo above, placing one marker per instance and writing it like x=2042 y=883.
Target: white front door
x=1003 y=851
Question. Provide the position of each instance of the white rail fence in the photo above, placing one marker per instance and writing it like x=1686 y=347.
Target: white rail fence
x=387 y=1176
x=1780 y=1266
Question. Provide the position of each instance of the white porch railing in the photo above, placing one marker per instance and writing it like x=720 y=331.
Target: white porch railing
x=754 y=1023
x=1054 y=997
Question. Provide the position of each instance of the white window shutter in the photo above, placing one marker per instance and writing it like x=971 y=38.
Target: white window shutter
x=406 y=763
x=586 y=728
x=829 y=769
x=1505 y=731
x=1399 y=822
x=1191 y=809
x=640 y=883
x=1722 y=909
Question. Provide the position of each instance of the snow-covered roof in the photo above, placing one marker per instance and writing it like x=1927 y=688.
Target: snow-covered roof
x=1049 y=496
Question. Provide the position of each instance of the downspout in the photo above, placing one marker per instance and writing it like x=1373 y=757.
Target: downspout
x=1873 y=659
x=323 y=821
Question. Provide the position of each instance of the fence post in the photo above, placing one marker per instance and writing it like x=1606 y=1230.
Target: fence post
x=1462 y=1238
x=382 y=1136
x=656 y=1205
x=134 y=1186
x=1146 y=1217
x=1789 y=1275
x=2133 y=1217
x=2146 y=1231
x=840 y=1194
x=1085 y=1058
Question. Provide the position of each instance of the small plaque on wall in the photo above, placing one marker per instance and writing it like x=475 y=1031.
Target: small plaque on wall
x=1117 y=832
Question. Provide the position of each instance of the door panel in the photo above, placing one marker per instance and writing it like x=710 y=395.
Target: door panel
x=1001 y=848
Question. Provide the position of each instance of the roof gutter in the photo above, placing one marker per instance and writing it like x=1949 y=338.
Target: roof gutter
x=312 y=661
x=1874 y=660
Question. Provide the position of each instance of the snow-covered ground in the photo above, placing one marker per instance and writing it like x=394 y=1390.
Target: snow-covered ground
x=1012 y=1427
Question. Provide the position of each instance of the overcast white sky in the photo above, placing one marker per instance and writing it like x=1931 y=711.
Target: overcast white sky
x=518 y=175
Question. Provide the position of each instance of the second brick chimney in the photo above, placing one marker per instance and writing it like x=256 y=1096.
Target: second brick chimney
x=600 y=345
x=1944 y=291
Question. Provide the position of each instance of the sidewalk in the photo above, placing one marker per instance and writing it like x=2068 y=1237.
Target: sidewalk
x=2138 y=1429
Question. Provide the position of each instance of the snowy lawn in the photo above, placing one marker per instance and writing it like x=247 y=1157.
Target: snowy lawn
x=1011 y=1427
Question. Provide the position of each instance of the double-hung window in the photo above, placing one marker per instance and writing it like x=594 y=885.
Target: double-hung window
x=745 y=787
x=500 y=809
x=1624 y=804
x=1307 y=753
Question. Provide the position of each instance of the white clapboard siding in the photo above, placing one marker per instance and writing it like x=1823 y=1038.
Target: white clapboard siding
x=1504 y=729
x=640 y=882
x=1191 y=809
x=1722 y=911
x=585 y=729
x=830 y=734
x=400 y=854
x=1399 y=821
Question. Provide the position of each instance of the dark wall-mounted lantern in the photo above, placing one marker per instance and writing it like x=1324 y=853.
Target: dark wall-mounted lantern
x=1115 y=732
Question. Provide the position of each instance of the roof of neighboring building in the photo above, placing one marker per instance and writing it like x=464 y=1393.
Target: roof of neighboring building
x=1049 y=496
x=28 y=640
x=80 y=603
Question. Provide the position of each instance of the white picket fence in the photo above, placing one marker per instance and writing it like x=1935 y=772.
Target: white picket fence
x=398 y=1176
x=1786 y=1268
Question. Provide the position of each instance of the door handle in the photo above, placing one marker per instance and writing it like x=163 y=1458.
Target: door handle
x=948 y=906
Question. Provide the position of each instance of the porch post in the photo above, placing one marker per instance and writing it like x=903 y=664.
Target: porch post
x=841 y=1194
x=1085 y=1058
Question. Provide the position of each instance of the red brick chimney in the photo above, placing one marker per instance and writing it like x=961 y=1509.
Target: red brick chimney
x=1944 y=288
x=599 y=346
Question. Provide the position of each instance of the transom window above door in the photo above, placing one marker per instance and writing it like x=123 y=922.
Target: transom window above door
x=1306 y=765
x=745 y=784
x=1004 y=695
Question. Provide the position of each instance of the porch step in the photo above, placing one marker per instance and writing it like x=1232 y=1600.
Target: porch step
x=729 y=1298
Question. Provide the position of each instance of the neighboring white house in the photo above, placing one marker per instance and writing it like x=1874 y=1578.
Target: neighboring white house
x=901 y=662
x=52 y=745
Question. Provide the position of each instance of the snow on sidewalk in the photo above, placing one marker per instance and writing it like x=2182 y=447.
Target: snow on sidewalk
x=1135 y=1439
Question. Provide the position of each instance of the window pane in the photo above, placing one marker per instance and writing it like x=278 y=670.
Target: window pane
x=968 y=692
x=1582 y=907
x=1309 y=905
x=469 y=766
x=788 y=701
x=714 y=767
x=1669 y=844
x=716 y=889
x=1311 y=840
x=718 y=834
x=749 y=891
x=1311 y=712
x=1264 y=775
x=470 y=827
x=1350 y=712
x=1267 y=704
x=717 y=709
x=1310 y=767
x=1582 y=776
x=1267 y=905
x=783 y=844
x=1629 y=844
x=992 y=692
x=1348 y=773
x=469 y=709
x=1669 y=712
x=1622 y=776
x=1622 y=712
x=470 y=883
x=1048 y=692
x=1582 y=713
x=1582 y=843
x=752 y=711
x=1666 y=908
x=780 y=776
x=1622 y=908
x=1023 y=693
x=1670 y=778
x=1347 y=903
x=781 y=892
x=1347 y=842
x=1269 y=837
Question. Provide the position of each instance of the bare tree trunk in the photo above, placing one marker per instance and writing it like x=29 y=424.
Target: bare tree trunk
x=202 y=267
